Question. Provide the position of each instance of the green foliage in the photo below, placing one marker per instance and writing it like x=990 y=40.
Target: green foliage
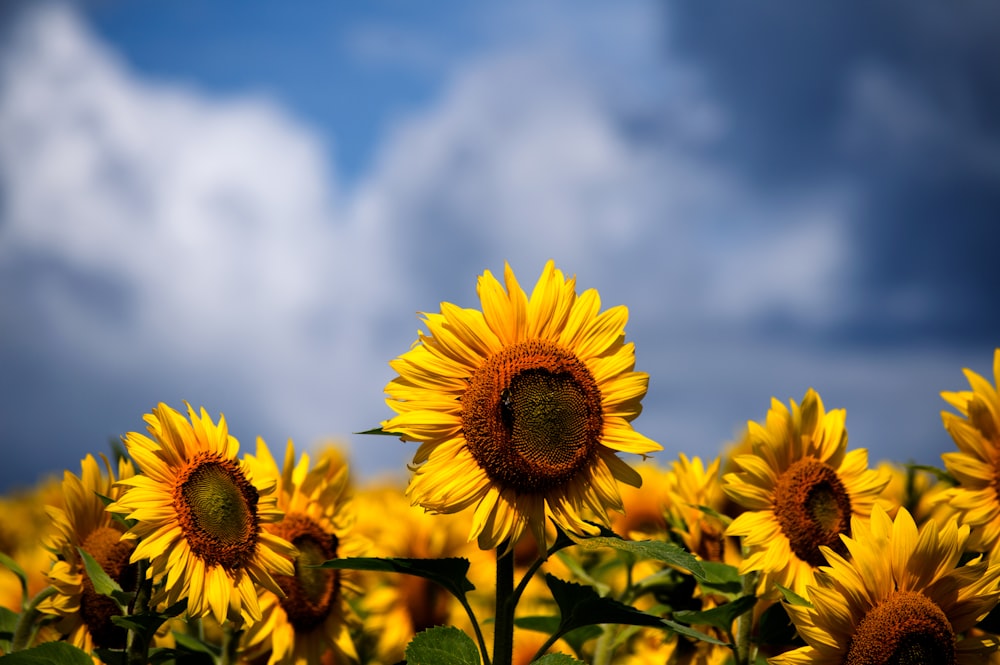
x=722 y=578
x=450 y=573
x=549 y=625
x=49 y=653
x=791 y=597
x=720 y=617
x=655 y=550
x=556 y=659
x=103 y=584
x=19 y=572
x=442 y=645
x=580 y=606
x=8 y=622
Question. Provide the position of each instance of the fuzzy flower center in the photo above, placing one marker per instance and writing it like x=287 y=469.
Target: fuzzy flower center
x=217 y=509
x=906 y=628
x=96 y=610
x=532 y=416
x=311 y=592
x=813 y=508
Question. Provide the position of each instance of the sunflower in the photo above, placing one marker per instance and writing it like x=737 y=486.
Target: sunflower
x=312 y=618
x=693 y=488
x=84 y=615
x=199 y=517
x=800 y=488
x=976 y=464
x=901 y=598
x=521 y=409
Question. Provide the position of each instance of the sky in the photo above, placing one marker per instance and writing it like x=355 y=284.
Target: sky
x=247 y=205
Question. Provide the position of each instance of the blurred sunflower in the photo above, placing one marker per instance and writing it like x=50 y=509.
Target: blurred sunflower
x=693 y=488
x=313 y=619
x=901 y=598
x=801 y=488
x=85 y=615
x=396 y=607
x=976 y=464
x=199 y=517
x=521 y=409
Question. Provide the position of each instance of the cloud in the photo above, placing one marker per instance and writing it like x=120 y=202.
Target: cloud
x=169 y=244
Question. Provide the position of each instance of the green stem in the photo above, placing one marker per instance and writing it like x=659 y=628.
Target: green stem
x=27 y=623
x=137 y=646
x=503 y=625
x=475 y=627
x=744 y=625
x=230 y=642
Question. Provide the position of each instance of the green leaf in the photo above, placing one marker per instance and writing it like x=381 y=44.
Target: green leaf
x=159 y=655
x=442 y=645
x=693 y=634
x=557 y=659
x=720 y=617
x=940 y=474
x=103 y=584
x=147 y=624
x=49 y=653
x=775 y=629
x=580 y=605
x=378 y=431
x=550 y=624
x=192 y=643
x=19 y=572
x=657 y=550
x=722 y=578
x=792 y=598
x=450 y=573
x=111 y=656
x=8 y=622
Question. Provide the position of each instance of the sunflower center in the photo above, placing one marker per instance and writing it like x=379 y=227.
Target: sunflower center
x=96 y=610
x=906 y=628
x=813 y=508
x=311 y=592
x=532 y=416
x=217 y=509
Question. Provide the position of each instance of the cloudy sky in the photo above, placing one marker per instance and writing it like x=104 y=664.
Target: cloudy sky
x=245 y=206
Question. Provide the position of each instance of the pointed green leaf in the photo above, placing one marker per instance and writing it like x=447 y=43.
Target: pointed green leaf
x=580 y=605
x=378 y=431
x=450 y=573
x=103 y=584
x=722 y=578
x=8 y=622
x=681 y=629
x=656 y=550
x=720 y=617
x=22 y=577
x=111 y=656
x=49 y=653
x=557 y=659
x=775 y=628
x=442 y=645
x=550 y=624
x=792 y=598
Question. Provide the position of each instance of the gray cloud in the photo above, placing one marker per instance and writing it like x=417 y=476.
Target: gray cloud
x=157 y=243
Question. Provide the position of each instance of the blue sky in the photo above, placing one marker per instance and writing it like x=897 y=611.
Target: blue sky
x=245 y=206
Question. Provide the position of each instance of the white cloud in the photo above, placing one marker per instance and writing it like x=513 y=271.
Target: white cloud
x=236 y=254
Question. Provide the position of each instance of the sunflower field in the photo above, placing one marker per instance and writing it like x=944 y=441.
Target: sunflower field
x=534 y=527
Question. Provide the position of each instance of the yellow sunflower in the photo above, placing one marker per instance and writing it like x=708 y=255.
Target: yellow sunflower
x=976 y=464
x=692 y=487
x=84 y=615
x=199 y=516
x=800 y=487
x=521 y=409
x=313 y=619
x=901 y=598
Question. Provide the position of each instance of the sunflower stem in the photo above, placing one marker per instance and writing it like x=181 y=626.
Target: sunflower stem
x=137 y=646
x=230 y=642
x=503 y=626
x=744 y=625
x=27 y=623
